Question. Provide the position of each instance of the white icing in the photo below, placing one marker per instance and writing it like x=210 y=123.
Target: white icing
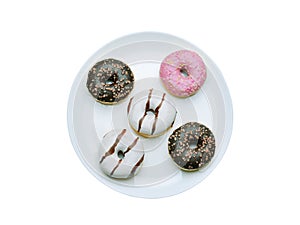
x=165 y=115
x=121 y=167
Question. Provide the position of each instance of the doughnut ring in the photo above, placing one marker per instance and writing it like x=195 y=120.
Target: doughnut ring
x=183 y=73
x=110 y=81
x=191 y=146
x=150 y=113
x=123 y=156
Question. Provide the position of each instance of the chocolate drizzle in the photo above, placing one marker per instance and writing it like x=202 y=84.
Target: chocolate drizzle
x=156 y=111
x=173 y=121
x=132 y=145
x=114 y=169
x=112 y=148
x=129 y=105
x=147 y=108
x=136 y=166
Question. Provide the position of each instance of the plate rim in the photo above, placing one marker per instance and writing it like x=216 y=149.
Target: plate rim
x=131 y=190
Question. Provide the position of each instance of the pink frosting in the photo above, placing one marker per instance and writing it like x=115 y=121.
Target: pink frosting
x=172 y=77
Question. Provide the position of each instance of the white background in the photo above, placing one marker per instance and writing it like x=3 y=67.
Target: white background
x=256 y=44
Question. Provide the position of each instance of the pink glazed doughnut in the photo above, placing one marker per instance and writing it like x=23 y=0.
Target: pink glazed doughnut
x=183 y=73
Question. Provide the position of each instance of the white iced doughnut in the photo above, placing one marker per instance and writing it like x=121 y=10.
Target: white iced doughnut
x=123 y=154
x=150 y=113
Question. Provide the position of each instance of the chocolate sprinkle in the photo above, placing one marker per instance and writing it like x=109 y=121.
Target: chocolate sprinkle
x=110 y=81
x=192 y=146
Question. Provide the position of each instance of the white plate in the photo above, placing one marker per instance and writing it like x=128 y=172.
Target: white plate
x=88 y=120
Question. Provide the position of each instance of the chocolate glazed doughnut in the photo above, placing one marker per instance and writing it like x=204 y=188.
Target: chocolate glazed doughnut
x=110 y=81
x=192 y=146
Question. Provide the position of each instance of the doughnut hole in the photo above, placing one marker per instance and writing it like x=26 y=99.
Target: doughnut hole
x=195 y=143
x=183 y=71
x=150 y=113
x=121 y=154
x=112 y=79
x=193 y=146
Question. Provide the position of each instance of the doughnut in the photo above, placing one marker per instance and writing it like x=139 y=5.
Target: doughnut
x=150 y=113
x=110 y=81
x=123 y=156
x=182 y=73
x=191 y=146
